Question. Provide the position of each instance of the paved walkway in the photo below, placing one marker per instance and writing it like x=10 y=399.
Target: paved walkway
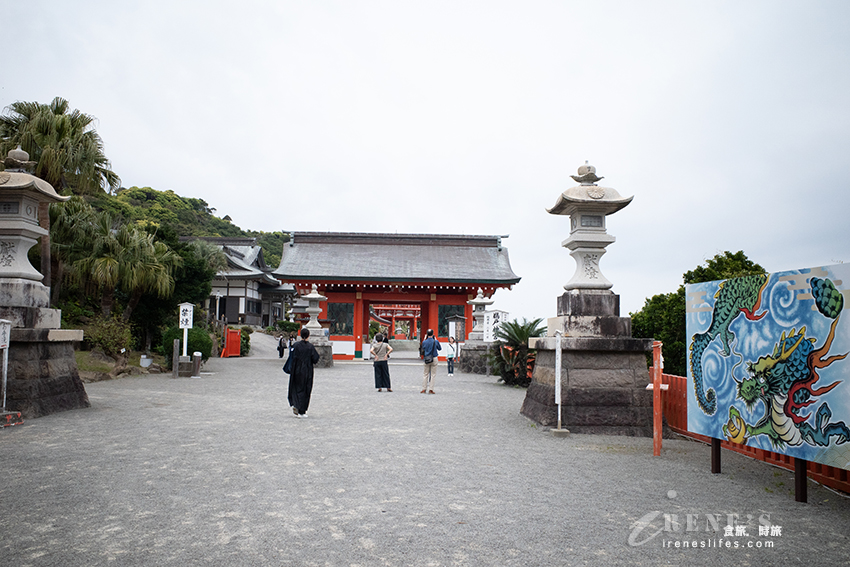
x=217 y=471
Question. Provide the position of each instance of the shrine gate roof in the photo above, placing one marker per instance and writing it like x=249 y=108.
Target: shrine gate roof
x=352 y=256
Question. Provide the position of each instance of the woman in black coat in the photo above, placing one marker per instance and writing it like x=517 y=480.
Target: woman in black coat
x=304 y=356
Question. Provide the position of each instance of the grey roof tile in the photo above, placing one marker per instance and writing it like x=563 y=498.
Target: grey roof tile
x=396 y=257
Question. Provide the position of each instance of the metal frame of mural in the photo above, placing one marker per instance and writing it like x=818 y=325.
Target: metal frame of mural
x=767 y=362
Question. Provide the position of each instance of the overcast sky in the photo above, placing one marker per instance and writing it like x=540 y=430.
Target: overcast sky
x=729 y=122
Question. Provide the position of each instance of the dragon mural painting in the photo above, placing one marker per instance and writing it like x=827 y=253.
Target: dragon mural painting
x=767 y=362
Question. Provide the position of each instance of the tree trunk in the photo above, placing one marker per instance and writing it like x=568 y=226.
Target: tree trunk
x=107 y=300
x=58 y=273
x=134 y=301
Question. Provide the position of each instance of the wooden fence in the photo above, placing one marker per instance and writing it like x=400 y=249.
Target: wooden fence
x=674 y=402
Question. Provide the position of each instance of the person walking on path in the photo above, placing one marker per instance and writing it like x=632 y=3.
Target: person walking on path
x=304 y=356
x=381 y=352
x=451 y=354
x=430 y=348
x=281 y=345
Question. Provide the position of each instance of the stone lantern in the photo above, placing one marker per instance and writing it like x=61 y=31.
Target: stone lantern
x=24 y=299
x=601 y=368
x=473 y=359
x=588 y=308
x=313 y=325
x=43 y=376
x=479 y=306
x=587 y=205
x=317 y=334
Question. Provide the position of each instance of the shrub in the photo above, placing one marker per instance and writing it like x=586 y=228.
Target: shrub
x=199 y=341
x=73 y=314
x=288 y=326
x=110 y=334
x=510 y=356
x=245 y=343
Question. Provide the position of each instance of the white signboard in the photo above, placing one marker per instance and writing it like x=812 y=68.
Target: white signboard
x=492 y=320
x=186 y=315
x=5 y=331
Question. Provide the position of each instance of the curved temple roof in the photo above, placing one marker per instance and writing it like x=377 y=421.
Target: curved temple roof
x=348 y=256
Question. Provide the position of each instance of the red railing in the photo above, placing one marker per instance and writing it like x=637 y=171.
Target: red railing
x=674 y=401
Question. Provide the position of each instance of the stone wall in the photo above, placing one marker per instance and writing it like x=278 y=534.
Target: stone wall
x=603 y=387
x=473 y=359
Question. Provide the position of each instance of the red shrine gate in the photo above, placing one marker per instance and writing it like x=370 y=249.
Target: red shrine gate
x=400 y=273
x=393 y=314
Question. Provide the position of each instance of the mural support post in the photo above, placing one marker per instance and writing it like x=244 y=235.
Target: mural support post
x=800 y=480
x=656 y=398
x=715 y=456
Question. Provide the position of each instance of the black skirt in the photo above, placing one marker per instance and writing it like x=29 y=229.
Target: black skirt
x=382 y=374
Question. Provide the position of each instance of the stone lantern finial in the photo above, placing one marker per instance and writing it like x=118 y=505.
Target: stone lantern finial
x=586 y=174
x=18 y=160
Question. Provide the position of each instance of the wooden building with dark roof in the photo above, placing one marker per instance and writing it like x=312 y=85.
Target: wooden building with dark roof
x=438 y=273
x=245 y=292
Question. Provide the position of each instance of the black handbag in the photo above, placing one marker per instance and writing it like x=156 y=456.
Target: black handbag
x=287 y=366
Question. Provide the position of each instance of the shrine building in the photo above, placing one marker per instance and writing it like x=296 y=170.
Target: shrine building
x=423 y=279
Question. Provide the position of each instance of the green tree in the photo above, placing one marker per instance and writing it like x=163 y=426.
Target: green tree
x=723 y=267
x=64 y=144
x=663 y=316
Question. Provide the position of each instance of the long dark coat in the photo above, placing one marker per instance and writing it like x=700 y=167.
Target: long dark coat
x=304 y=356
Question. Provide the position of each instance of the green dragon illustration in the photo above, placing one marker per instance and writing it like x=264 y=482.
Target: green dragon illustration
x=785 y=383
x=735 y=297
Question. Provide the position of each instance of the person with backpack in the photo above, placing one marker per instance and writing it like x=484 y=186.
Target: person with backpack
x=430 y=348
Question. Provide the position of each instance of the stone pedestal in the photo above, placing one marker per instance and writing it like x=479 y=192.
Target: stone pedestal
x=589 y=313
x=326 y=355
x=43 y=376
x=603 y=385
x=604 y=371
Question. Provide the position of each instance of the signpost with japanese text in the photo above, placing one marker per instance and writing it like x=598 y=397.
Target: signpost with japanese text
x=5 y=331
x=186 y=317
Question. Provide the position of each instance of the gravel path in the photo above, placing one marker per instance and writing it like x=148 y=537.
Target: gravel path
x=217 y=471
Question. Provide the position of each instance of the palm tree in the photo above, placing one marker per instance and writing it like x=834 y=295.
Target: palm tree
x=129 y=259
x=517 y=361
x=148 y=267
x=67 y=150
x=73 y=231
x=213 y=256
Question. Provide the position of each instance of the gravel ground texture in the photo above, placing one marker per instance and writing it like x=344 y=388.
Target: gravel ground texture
x=217 y=471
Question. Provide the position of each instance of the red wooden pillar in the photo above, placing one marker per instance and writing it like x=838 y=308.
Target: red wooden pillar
x=433 y=314
x=467 y=312
x=358 y=325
